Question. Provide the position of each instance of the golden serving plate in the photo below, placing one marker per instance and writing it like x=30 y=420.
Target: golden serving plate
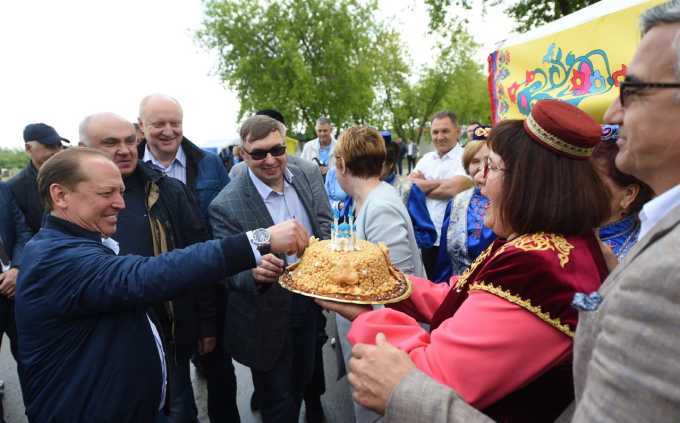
x=401 y=292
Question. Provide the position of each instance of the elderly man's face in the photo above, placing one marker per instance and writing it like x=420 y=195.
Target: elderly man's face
x=649 y=142
x=94 y=204
x=162 y=125
x=117 y=139
x=323 y=131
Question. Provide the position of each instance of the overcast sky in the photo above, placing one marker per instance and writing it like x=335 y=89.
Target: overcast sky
x=62 y=60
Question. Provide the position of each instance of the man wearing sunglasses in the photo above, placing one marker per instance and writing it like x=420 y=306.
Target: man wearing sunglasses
x=269 y=329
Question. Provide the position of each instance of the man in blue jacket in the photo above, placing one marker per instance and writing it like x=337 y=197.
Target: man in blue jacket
x=13 y=235
x=165 y=146
x=89 y=351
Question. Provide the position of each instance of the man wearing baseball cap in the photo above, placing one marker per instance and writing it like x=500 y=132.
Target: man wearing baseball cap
x=42 y=142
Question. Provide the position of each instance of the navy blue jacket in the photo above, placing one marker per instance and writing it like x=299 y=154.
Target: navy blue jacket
x=13 y=230
x=206 y=174
x=87 y=353
x=24 y=187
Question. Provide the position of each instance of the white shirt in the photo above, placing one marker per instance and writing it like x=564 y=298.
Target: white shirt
x=311 y=151
x=112 y=244
x=656 y=209
x=177 y=168
x=284 y=205
x=436 y=168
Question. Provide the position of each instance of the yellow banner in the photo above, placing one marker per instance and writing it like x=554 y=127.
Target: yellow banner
x=582 y=65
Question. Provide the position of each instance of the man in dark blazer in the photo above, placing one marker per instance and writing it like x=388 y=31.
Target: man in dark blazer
x=271 y=330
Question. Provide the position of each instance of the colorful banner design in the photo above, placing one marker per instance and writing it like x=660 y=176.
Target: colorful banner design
x=582 y=64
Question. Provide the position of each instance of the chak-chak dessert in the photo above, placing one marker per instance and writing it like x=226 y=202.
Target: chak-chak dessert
x=348 y=270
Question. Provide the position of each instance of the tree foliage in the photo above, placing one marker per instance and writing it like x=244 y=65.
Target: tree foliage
x=452 y=81
x=311 y=58
x=527 y=13
x=12 y=158
x=307 y=58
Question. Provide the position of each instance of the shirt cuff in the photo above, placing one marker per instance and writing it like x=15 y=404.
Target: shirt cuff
x=256 y=252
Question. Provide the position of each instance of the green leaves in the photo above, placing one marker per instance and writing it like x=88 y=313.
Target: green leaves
x=312 y=58
x=307 y=58
x=527 y=13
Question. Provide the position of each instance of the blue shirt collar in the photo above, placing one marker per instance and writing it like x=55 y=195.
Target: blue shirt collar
x=263 y=189
x=180 y=157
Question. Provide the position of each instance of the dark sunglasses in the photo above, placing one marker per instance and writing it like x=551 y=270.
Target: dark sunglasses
x=628 y=88
x=276 y=151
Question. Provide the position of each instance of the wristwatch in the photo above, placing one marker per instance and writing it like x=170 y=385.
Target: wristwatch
x=262 y=240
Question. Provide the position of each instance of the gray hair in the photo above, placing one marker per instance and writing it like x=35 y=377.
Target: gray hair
x=667 y=13
x=83 y=138
x=445 y=114
x=258 y=127
x=323 y=121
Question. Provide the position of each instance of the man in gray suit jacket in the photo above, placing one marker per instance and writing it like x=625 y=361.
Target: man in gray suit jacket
x=315 y=180
x=270 y=329
x=627 y=347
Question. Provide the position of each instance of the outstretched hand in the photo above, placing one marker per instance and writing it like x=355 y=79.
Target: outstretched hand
x=348 y=311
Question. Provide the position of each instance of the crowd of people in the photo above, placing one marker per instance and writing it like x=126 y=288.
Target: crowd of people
x=545 y=287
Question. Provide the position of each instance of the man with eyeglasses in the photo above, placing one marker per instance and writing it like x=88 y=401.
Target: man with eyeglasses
x=270 y=330
x=626 y=346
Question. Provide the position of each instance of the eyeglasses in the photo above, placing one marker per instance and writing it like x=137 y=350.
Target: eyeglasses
x=276 y=151
x=629 y=89
x=488 y=165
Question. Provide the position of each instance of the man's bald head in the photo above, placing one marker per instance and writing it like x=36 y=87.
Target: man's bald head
x=114 y=136
x=160 y=118
x=153 y=101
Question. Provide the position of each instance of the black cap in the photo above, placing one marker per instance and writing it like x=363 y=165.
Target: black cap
x=272 y=113
x=42 y=133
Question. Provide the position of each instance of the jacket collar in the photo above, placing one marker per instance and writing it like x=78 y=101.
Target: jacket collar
x=70 y=228
x=31 y=170
x=148 y=172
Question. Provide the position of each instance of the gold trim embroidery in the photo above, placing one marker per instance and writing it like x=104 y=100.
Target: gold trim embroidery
x=541 y=241
x=525 y=304
x=555 y=142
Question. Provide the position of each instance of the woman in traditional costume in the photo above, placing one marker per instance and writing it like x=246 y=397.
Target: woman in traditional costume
x=501 y=333
x=627 y=194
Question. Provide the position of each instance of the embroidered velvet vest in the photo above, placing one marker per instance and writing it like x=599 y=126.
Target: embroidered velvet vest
x=540 y=273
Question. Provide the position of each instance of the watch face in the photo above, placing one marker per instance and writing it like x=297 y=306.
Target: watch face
x=260 y=236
